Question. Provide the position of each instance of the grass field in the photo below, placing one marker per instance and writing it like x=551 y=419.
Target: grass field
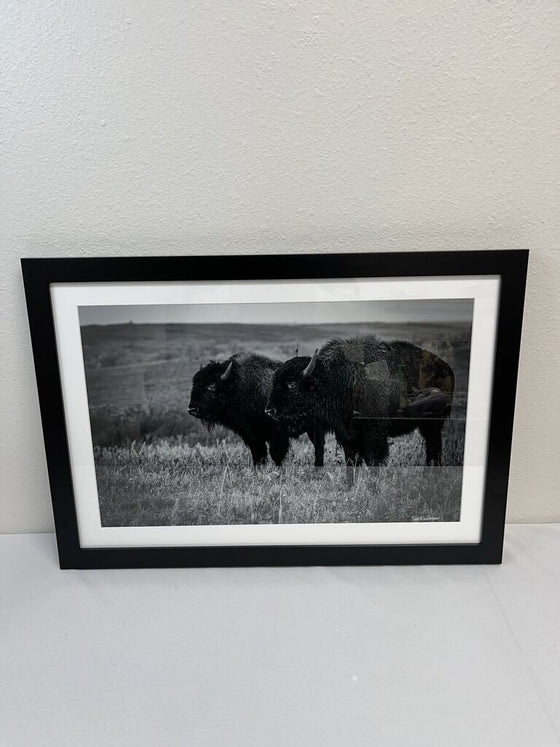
x=156 y=465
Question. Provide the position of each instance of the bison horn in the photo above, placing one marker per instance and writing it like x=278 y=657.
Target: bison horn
x=226 y=373
x=308 y=370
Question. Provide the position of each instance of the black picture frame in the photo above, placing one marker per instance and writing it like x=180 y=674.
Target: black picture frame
x=510 y=266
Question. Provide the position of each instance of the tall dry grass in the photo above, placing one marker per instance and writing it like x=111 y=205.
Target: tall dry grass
x=169 y=482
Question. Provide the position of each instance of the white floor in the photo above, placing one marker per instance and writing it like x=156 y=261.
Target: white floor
x=303 y=656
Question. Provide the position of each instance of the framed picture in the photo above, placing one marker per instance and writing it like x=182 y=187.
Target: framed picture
x=278 y=410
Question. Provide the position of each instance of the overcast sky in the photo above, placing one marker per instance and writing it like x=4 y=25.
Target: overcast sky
x=448 y=310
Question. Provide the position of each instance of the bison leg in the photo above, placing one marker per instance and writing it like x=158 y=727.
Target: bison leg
x=318 y=440
x=377 y=456
x=258 y=452
x=279 y=446
x=375 y=446
x=431 y=430
x=351 y=456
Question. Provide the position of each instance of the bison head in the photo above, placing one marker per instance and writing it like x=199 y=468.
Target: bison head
x=293 y=399
x=210 y=390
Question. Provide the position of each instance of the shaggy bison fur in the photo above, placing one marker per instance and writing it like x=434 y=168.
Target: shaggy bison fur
x=234 y=393
x=365 y=391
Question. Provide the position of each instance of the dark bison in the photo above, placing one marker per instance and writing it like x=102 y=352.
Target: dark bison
x=364 y=391
x=234 y=393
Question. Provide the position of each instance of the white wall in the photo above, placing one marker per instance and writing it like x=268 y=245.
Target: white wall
x=195 y=127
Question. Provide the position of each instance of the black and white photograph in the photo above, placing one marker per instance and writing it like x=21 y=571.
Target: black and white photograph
x=278 y=413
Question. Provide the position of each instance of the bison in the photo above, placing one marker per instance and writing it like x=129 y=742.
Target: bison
x=234 y=393
x=364 y=391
